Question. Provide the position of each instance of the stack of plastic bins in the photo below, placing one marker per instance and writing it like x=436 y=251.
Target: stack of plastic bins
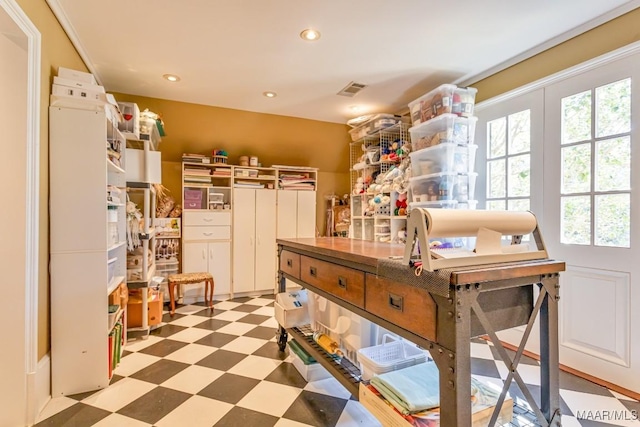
x=443 y=152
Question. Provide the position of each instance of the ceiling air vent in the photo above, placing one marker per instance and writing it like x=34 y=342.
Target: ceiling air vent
x=351 y=89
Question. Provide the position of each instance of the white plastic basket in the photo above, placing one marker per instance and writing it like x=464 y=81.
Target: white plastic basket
x=388 y=356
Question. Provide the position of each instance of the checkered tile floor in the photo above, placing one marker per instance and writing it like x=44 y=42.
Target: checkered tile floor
x=222 y=368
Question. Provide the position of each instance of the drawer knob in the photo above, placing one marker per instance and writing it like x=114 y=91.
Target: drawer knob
x=289 y=263
x=342 y=282
x=313 y=272
x=396 y=302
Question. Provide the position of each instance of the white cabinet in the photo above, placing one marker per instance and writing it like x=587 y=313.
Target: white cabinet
x=296 y=214
x=88 y=248
x=207 y=248
x=254 y=240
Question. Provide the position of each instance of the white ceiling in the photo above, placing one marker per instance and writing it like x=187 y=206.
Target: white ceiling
x=228 y=52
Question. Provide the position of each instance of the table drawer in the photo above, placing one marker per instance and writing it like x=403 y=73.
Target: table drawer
x=342 y=282
x=409 y=307
x=290 y=263
x=205 y=217
x=207 y=233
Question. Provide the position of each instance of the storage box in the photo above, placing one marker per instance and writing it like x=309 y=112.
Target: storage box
x=111 y=269
x=443 y=129
x=135 y=166
x=79 y=76
x=292 y=308
x=389 y=417
x=167 y=227
x=388 y=356
x=444 y=99
x=78 y=93
x=443 y=186
x=377 y=122
x=130 y=127
x=252 y=173
x=447 y=157
x=134 y=309
x=77 y=84
x=310 y=372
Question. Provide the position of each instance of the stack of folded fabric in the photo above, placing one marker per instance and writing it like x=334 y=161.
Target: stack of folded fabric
x=411 y=389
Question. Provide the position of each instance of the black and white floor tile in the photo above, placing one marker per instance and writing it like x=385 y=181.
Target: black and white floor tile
x=222 y=368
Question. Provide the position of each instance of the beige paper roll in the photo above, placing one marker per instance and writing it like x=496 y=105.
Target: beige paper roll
x=465 y=223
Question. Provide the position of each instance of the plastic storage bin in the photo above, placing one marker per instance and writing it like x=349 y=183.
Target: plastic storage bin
x=447 y=157
x=310 y=372
x=292 y=308
x=444 y=99
x=443 y=129
x=388 y=356
x=377 y=122
x=443 y=186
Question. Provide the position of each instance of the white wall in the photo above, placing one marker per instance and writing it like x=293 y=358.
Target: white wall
x=13 y=114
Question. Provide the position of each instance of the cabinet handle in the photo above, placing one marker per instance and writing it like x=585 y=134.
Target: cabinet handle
x=313 y=272
x=251 y=241
x=207 y=219
x=208 y=233
x=342 y=282
x=211 y=253
x=396 y=302
x=204 y=254
x=290 y=263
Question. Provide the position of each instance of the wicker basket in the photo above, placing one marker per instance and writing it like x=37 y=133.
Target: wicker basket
x=219 y=160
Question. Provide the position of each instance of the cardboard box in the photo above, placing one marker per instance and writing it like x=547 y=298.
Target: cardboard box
x=134 y=166
x=134 y=309
x=388 y=416
x=80 y=76
x=78 y=93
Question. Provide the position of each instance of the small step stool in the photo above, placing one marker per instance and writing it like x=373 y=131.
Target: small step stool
x=187 y=279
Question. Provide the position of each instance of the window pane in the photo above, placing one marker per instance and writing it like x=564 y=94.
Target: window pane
x=575 y=223
x=519 y=176
x=495 y=205
x=613 y=164
x=496 y=187
x=576 y=117
x=519 y=205
x=576 y=169
x=613 y=108
x=520 y=132
x=612 y=220
x=497 y=137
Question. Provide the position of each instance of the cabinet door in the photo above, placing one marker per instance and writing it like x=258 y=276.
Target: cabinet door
x=195 y=257
x=287 y=214
x=306 y=214
x=265 y=271
x=244 y=230
x=220 y=267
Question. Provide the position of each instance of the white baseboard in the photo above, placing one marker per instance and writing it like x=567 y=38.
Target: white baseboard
x=43 y=383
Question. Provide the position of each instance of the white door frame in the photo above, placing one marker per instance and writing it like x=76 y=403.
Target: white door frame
x=32 y=177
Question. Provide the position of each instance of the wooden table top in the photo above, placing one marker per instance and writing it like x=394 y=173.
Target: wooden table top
x=367 y=253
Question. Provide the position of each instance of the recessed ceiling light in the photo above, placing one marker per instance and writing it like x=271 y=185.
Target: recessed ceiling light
x=270 y=94
x=171 y=77
x=355 y=108
x=310 y=35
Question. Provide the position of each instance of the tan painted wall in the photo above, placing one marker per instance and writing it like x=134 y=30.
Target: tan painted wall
x=57 y=51
x=274 y=139
x=598 y=41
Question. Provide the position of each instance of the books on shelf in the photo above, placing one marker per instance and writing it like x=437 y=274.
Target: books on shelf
x=116 y=337
x=195 y=158
x=297 y=181
x=248 y=184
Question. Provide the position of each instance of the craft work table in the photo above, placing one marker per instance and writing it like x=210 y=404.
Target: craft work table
x=439 y=311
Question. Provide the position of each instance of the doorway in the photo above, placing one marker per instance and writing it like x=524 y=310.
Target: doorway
x=19 y=115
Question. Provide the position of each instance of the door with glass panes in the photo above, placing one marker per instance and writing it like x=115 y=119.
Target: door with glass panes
x=591 y=210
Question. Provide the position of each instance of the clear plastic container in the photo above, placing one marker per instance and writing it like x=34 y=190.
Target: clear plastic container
x=443 y=186
x=446 y=98
x=377 y=122
x=447 y=157
x=443 y=129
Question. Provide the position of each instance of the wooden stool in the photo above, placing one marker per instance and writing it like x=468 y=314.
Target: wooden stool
x=190 y=278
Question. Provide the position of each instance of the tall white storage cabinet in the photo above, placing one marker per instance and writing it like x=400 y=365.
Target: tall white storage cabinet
x=296 y=214
x=254 y=240
x=88 y=246
x=206 y=237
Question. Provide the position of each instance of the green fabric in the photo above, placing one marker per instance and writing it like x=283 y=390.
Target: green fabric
x=306 y=358
x=411 y=389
